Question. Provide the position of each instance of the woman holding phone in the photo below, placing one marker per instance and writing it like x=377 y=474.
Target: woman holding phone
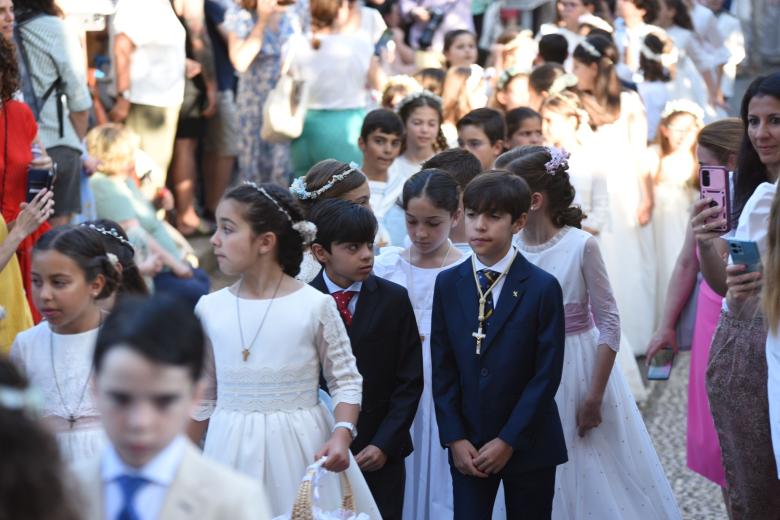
x=717 y=144
x=18 y=135
x=737 y=369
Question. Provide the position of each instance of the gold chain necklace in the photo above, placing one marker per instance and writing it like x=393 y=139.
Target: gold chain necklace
x=410 y=279
x=479 y=335
x=247 y=349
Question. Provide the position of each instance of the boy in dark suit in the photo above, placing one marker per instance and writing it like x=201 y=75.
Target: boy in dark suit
x=497 y=343
x=385 y=341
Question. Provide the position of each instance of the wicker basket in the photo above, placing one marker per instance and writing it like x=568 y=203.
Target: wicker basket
x=303 y=507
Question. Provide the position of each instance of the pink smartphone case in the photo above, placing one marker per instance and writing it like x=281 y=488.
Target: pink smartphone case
x=717 y=190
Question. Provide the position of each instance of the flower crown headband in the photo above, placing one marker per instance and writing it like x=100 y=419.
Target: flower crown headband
x=508 y=75
x=666 y=59
x=682 y=105
x=299 y=188
x=591 y=49
x=109 y=232
x=559 y=159
x=427 y=94
x=306 y=229
x=562 y=82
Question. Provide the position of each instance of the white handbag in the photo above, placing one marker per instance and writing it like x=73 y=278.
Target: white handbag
x=285 y=108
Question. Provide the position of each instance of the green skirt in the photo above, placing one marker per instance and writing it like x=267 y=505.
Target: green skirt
x=327 y=134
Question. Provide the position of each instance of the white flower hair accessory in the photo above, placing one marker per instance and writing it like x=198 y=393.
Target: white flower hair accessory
x=109 y=232
x=307 y=230
x=591 y=49
x=666 y=59
x=559 y=158
x=427 y=94
x=299 y=188
x=113 y=260
x=595 y=22
x=682 y=105
x=562 y=82
x=28 y=399
x=508 y=75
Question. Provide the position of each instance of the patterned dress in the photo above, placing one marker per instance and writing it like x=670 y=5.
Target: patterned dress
x=259 y=160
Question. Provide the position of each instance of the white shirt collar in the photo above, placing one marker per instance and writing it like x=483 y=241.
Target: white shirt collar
x=160 y=470
x=499 y=266
x=332 y=287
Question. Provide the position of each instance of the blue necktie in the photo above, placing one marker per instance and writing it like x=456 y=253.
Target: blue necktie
x=129 y=485
x=486 y=279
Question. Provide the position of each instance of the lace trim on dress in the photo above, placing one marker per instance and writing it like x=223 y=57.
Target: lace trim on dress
x=267 y=390
x=547 y=245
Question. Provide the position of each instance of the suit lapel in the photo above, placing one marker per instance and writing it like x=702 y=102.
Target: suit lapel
x=468 y=296
x=511 y=293
x=364 y=311
x=319 y=283
x=184 y=498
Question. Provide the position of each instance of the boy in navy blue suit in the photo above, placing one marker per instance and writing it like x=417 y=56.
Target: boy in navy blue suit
x=497 y=352
x=385 y=340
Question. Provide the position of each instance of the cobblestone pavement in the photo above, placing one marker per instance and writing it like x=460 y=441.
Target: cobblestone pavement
x=665 y=415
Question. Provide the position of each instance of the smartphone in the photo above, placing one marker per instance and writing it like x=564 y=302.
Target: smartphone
x=661 y=366
x=38 y=179
x=384 y=40
x=714 y=184
x=745 y=252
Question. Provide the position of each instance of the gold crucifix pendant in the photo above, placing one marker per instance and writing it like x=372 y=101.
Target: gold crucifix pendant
x=245 y=353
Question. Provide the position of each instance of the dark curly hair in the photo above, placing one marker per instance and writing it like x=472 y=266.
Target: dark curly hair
x=264 y=216
x=85 y=247
x=557 y=186
x=32 y=475
x=9 y=71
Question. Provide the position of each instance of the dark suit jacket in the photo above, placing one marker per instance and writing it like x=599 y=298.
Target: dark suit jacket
x=386 y=343
x=508 y=391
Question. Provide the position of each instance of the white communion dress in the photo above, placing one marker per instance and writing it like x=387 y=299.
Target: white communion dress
x=428 y=492
x=50 y=359
x=613 y=471
x=265 y=417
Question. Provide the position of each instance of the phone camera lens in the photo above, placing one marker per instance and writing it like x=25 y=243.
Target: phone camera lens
x=705 y=178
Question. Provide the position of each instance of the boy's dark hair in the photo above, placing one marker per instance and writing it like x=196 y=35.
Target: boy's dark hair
x=384 y=120
x=162 y=329
x=652 y=8
x=86 y=248
x=340 y=221
x=553 y=48
x=458 y=163
x=436 y=185
x=497 y=191
x=516 y=116
x=490 y=121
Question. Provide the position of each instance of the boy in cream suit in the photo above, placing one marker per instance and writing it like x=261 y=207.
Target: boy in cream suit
x=147 y=363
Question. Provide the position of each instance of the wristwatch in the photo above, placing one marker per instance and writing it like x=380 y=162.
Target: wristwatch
x=351 y=428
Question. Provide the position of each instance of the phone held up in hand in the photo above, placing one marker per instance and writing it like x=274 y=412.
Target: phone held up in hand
x=714 y=184
x=39 y=179
x=745 y=252
x=660 y=367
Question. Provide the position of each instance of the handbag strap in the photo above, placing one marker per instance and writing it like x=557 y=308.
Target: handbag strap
x=288 y=58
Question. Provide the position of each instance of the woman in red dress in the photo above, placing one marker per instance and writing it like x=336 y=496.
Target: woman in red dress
x=18 y=131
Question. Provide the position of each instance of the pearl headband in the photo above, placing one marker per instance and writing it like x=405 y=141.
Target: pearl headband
x=306 y=229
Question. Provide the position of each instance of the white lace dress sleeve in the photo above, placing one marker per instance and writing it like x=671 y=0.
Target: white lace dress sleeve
x=338 y=363
x=602 y=301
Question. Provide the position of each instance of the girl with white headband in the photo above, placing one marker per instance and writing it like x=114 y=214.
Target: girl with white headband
x=269 y=339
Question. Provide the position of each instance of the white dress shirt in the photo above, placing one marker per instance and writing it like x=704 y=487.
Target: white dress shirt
x=499 y=268
x=160 y=472
x=332 y=288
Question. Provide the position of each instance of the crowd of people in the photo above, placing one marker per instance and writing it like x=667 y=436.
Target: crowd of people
x=454 y=226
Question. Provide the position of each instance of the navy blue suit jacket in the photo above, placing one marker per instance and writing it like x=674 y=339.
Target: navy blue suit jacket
x=508 y=391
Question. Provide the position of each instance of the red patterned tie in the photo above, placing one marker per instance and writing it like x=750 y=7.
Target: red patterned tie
x=342 y=303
